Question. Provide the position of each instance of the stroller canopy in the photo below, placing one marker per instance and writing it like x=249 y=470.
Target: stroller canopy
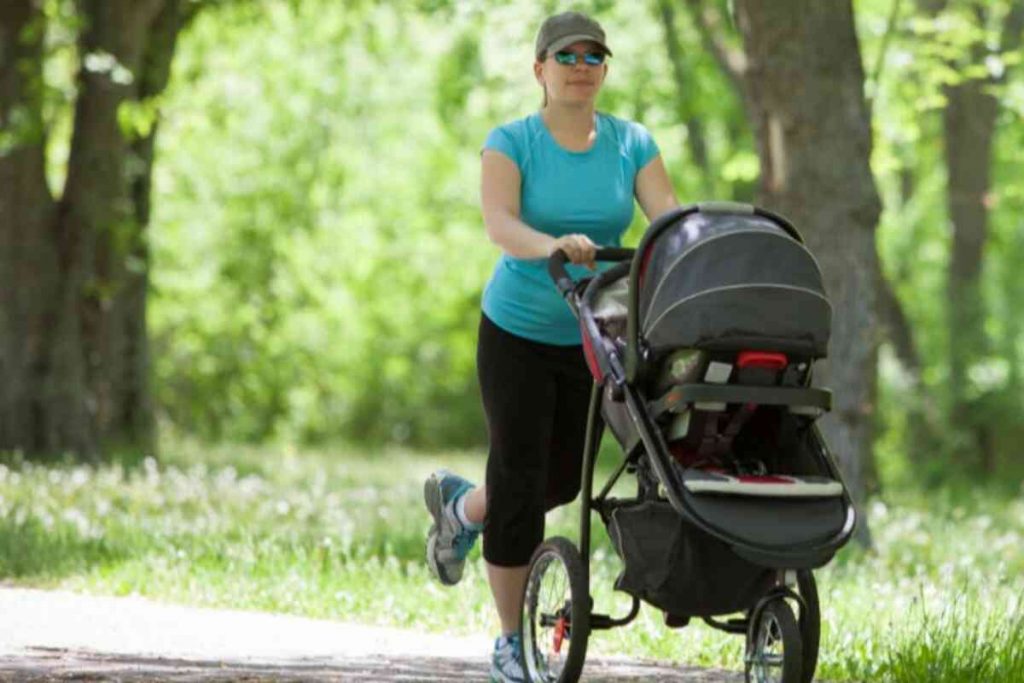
x=728 y=278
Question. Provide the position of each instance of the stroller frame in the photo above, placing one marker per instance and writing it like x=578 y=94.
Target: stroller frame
x=795 y=580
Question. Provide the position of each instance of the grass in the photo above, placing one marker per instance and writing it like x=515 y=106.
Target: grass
x=339 y=534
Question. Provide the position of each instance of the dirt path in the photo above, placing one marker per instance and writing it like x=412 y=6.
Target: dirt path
x=57 y=636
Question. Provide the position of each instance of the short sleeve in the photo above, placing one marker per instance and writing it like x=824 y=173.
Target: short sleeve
x=502 y=140
x=643 y=147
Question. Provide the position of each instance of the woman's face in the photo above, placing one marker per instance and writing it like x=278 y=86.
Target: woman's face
x=576 y=83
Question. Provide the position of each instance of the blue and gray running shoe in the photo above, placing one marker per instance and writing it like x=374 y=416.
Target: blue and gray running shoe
x=449 y=541
x=507 y=661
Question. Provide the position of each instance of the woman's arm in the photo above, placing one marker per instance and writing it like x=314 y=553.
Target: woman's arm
x=654 y=189
x=500 y=187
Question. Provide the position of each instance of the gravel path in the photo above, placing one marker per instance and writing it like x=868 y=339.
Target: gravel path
x=59 y=636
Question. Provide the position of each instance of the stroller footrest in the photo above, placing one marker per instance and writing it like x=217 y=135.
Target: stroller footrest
x=769 y=485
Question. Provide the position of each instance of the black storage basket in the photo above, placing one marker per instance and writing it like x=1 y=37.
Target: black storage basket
x=677 y=567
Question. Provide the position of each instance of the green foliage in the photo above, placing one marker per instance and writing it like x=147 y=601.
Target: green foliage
x=137 y=118
x=458 y=73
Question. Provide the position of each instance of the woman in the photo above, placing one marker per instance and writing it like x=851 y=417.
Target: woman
x=562 y=178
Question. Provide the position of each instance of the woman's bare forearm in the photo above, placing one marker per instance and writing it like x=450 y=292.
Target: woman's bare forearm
x=516 y=238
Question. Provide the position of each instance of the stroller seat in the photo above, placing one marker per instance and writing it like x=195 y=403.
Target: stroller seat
x=733 y=315
x=732 y=434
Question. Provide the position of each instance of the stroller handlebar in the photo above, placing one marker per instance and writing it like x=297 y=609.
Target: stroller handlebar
x=605 y=364
x=560 y=276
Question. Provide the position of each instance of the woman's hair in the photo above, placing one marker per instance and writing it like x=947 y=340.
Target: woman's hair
x=544 y=102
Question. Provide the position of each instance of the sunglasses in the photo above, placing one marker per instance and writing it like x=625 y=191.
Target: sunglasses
x=572 y=58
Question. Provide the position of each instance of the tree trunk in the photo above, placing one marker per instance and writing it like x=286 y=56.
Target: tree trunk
x=805 y=93
x=97 y=215
x=134 y=414
x=43 y=402
x=969 y=125
x=74 y=276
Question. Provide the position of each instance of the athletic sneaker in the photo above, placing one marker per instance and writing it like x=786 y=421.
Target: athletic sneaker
x=507 y=661
x=449 y=541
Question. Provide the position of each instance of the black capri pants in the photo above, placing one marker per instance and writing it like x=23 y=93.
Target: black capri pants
x=536 y=398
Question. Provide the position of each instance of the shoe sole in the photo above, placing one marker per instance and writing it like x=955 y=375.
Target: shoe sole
x=496 y=676
x=433 y=498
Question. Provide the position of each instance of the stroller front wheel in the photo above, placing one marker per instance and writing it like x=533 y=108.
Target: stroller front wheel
x=810 y=623
x=774 y=647
x=555 y=621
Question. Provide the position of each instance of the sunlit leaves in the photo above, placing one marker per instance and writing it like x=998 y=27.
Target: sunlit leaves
x=137 y=117
x=458 y=72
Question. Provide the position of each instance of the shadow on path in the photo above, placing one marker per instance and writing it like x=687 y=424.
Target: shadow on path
x=55 y=664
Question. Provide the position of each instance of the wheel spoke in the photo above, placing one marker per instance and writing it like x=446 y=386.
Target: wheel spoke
x=548 y=634
x=775 y=649
x=554 y=587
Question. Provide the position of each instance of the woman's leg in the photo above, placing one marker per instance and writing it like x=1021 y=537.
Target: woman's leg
x=506 y=582
x=518 y=388
x=572 y=408
x=563 y=482
x=476 y=505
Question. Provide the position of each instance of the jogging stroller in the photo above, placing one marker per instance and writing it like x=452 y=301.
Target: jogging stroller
x=701 y=343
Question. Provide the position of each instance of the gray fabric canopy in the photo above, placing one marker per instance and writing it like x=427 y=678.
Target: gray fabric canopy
x=721 y=281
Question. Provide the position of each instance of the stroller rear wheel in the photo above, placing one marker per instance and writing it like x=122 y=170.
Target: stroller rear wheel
x=774 y=652
x=555 y=622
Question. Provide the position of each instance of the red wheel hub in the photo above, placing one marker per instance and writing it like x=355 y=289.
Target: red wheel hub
x=561 y=626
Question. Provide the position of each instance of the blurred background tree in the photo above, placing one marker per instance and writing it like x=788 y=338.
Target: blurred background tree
x=308 y=259
x=73 y=256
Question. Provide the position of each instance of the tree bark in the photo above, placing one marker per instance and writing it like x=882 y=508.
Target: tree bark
x=804 y=85
x=97 y=217
x=43 y=401
x=24 y=213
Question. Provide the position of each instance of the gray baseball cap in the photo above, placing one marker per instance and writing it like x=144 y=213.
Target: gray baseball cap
x=561 y=30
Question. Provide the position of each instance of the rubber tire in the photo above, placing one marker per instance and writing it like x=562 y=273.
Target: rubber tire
x=579 y=593
x=792 y=653
x=810 y=622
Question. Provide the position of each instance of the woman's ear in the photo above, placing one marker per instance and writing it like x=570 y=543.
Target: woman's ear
x=538 y=72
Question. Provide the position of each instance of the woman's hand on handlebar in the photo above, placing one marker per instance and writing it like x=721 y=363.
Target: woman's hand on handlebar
x=579 y=248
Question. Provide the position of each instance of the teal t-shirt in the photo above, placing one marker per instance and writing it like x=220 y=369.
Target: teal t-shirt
x=563 y=192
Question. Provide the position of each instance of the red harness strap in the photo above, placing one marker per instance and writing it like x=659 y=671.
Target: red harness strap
x=762 y=359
